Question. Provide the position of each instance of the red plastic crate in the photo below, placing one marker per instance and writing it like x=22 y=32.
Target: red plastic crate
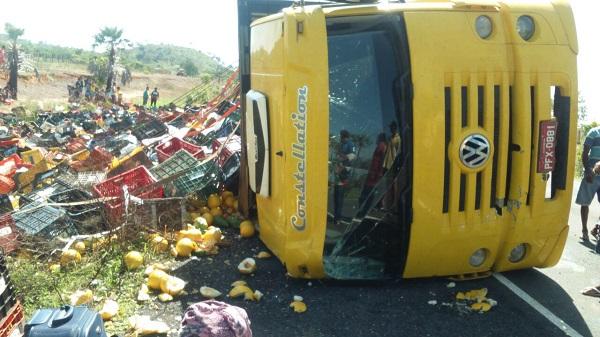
x=14 y=320
x=98 y=160
x=233 y=145
x=75 y=145
x=10 y=164
x=171 y=146
x=9 y=237
x=135 y=180
x=9 y=143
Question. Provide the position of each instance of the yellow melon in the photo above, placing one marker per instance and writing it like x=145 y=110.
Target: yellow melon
x=133 y=260
x=155 y=278
x=214 y=201
x=247 y=229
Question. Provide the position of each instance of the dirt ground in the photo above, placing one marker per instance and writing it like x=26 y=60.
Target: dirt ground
x=52 y=87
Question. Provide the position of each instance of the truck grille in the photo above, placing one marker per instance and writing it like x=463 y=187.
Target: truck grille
x=485 y=106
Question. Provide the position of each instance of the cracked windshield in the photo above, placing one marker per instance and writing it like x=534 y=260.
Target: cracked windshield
x=299 y=168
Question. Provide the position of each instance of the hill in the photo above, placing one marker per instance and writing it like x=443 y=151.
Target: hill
x=147 y=58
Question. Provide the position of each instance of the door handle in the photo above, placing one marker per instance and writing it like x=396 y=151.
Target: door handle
x=279 y=153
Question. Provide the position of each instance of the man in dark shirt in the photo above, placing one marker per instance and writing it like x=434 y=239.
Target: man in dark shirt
x=345 y=155
x=154 y=97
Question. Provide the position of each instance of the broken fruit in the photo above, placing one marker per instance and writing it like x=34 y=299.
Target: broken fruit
x=191 y=233
x=143 y=293
x=239 y=291
x=109 y=310
x=263 y=255
x=239 y=283
x=247 y=229
x=172 y=285
x=212 y=236
x=476 y=294
x=258 y=295
x=481 y=307
x=185 y=247
x=164 y=297
x=247 y=266
x=70 y=256
x=298 y=298
x=159 y=244
x=209 y=292
x=81 y=297
x=201 y=223
x=155 y=278
x=298 y=306
x=133 y=260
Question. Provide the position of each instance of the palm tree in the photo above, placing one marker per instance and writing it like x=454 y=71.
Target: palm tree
x=112 y=39
x=13 y=61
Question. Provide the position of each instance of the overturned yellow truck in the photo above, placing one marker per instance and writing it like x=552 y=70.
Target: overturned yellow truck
x=412 y=139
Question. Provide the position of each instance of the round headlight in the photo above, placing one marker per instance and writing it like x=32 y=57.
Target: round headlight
x=478 y=257
x=518 y=253
x=525 y=27
x=483 y=26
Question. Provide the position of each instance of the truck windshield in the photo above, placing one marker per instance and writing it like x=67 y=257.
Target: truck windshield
x=363 y=137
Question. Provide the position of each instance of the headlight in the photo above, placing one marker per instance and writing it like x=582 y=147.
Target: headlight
x=483 y=26
x=518 y=253
x=478 y=257
x=525 y=27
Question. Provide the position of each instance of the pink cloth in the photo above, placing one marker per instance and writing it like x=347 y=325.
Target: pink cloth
x=215 y=319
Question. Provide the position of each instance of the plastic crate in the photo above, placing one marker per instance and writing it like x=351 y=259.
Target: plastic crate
x=33 y=156
x=136 y=180
x=74 y=195
x=152 y=129
x=171 y=146
x=233 y=145
x=180 y=161
x=43 y=194
x=98 y=160
x=24 y=180
x=13 y=320
x=8 y=234
x=136 y=158
x=45 y=221
x=204 y=179
x=75 y=145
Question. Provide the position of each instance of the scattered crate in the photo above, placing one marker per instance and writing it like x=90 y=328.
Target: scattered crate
x=46 y=222
x=180 y=161
x=152 y=129
x=138 y=182
x=98 y=160
x=203 y=179
x=171 y=146
x=12 y=321
x=233 y=145
x=8 y=234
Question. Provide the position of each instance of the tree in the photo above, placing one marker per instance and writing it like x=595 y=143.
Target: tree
x=112 y=39
x=13 y=61
x=581 y=109
x=189 y=68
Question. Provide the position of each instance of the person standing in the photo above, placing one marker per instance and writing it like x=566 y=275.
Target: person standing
x=346 y=153
x=145 y=96
x=119 y=96
x=590 y=183
x=374 y=175
x=2 y=56
x=154 y=97
x=392 y=150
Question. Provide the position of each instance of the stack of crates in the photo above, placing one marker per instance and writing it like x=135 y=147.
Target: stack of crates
x=230 y=146
x=171 y=146
x=138 y=182
x=11 y=310
x=98 y=160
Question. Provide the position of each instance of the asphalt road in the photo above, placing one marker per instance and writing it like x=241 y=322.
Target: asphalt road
x=401 y=307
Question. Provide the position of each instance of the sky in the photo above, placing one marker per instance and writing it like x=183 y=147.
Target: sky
x=211 y=26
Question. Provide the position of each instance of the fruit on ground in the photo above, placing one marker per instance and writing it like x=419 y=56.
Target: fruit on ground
x=172 y=285
x=214 y=201
x=247 y=229
x=155 y=279
x=185 y=247
x=133 y=260
x=70 y=256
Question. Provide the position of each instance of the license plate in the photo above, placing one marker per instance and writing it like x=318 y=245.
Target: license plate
x=547 y=148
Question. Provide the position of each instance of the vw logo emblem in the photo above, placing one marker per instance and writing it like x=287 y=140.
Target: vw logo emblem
x=474 y=150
